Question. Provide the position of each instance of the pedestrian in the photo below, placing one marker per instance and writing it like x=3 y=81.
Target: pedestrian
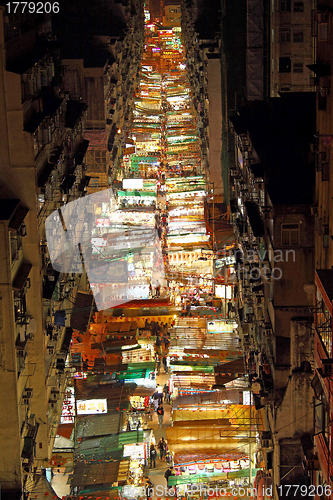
x=166 y=393
x=158 y=344
x=188 y=309
x=158 y=364
x=160 y=414
x=160 y=397
x=165 y=364
x=158 y=285
x=168 y=458
x=155 y=398
x=166 y=342
x=169 y=472
x=162 y=448
x=149 y=488
x=153 y=455
x=85 y=365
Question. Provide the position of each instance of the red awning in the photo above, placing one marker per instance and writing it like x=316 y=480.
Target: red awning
x=65 y=430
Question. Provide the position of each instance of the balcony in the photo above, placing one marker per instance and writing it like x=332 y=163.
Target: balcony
x=21 y=353
x=324 y=313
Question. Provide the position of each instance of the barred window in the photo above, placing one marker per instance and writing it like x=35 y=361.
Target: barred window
x=290 y=234
x=298 y=68
x=298 y=37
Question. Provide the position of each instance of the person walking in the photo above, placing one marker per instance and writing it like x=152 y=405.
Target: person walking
x=162 y=448
x=160 y=414
x=229 y=308
x=153 y=455
x=160 y=397
x=165 y=365
x=149 y=488
x=158 y=364
x=166 y=394
x=155 y=398
x=158 y=344
x=166 y=342
x=158 y=285
x=169 y=472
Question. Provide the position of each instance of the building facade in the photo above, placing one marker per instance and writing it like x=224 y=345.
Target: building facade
x=274 y=273
x=42 y=167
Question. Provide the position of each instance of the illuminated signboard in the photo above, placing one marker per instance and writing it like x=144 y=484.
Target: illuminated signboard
x=91 y=406
x=102 y=222
x=132 y=183
x=131 y=150
x=68 y=407
x=147 y=68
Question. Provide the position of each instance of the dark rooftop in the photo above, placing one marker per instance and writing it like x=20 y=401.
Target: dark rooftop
x=326 y=278
x=281 y=131
x=74 y=112
x=7 y=208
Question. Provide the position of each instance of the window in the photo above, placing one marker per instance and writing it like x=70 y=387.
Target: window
x=284 y=65
x=290 y=234
x=325 y=171
x=322 y=418
x=298 y=6
x=323 y=322
x=285 y=6
x=285 y=34
x=298 y=37
x=322 y=32
x=94 y=183
x=298 y=68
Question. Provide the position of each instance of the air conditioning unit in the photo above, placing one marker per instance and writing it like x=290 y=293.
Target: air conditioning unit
x=313 y=81
x=327 y=368
x=52 y=406
x=266 y=439
x=324 y=91
x=50 y=349
x=311 y=463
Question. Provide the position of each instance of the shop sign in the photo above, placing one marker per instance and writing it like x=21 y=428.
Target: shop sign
x=146 y=68
x=62 y=459
x=91 y=406
x=129 y=151
x=225 y=261
x=102 y=222
x=135 y=451
x=135 y=184
x=99 y=242
x=68 y=407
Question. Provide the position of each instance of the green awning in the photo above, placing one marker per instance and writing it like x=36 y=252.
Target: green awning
x=131 y=437
x=141 y=194
x=208 y=477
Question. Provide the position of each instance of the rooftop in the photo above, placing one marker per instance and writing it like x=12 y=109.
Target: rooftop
x=281 y=131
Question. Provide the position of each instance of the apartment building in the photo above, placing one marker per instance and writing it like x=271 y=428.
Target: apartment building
x=271 y=194
x=321 y=460
x=104 y=71
x=42 y=151
x=204 y=70
x=292 y=46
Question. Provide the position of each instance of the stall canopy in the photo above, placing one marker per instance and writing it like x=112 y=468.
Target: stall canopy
x=99 y=425
x=103 y=473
